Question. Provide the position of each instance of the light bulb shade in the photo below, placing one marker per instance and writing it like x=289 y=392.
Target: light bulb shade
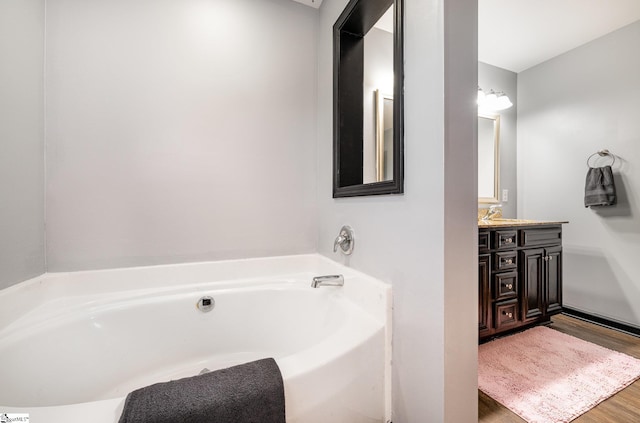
x=490 y=99
x=502 y=102
x=494 y=101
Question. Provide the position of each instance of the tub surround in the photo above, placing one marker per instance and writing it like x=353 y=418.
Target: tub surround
x=95 y=306
x=520 y=274
x=51 y=290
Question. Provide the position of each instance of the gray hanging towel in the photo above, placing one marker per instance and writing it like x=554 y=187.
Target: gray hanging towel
x=249 y=393
x=599 y=189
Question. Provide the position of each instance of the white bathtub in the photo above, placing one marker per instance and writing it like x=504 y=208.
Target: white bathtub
x=72 y=345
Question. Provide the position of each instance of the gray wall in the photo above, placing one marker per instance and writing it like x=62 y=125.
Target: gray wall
x=422 y=242
x=498 y=79
x=179 y=131
x=569 y=108
x=21 y=140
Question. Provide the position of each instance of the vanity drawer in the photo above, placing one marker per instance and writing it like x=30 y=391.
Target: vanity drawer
x=505 y=260
x=483 y=241
x=505 y=240
x=534 y=237
x=506 y=314
x=505 y=285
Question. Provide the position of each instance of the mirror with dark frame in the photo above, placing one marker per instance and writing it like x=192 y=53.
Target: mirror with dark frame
x=368 y=99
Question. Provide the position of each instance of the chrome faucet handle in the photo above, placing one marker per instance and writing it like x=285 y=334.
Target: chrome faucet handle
x=338 y=241
x=344 y=240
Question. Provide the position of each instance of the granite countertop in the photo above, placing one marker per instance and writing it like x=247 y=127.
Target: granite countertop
x=497 y=223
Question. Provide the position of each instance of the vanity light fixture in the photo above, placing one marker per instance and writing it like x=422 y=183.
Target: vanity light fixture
x=494 y=101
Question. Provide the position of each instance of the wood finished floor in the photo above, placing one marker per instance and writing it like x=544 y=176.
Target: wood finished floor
x=623 y=407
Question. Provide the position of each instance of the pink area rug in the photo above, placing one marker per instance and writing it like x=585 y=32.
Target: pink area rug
x=546 y=376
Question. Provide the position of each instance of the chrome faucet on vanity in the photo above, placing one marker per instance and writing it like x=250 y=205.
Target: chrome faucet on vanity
x=493 y=211
x=327 y=280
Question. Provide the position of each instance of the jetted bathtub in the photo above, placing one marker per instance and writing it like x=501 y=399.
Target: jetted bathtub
x=72 y=345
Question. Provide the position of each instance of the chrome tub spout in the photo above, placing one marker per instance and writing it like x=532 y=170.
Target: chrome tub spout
x=327 y=280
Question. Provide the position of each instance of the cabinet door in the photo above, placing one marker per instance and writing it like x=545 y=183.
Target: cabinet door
x=533 y=276
x=554 y=280
x=484 y=295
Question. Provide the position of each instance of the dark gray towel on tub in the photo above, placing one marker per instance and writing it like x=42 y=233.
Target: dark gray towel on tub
x=599 y=189
x=249 y=393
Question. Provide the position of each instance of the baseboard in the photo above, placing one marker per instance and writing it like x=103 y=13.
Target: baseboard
x=602 y=321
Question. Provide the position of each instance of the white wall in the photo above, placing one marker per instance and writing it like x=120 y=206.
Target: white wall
x=179 y=131
x=569 y=108
x=21 y=140
x=498 y=79
x=423 y=242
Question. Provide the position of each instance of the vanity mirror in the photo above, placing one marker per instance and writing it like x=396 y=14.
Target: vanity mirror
x=368 y=99
x=488 y=158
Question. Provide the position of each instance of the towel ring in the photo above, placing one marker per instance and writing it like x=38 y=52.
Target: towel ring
x=602 y=153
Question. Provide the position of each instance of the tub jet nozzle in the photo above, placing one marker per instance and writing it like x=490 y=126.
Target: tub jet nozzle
x=206 y=304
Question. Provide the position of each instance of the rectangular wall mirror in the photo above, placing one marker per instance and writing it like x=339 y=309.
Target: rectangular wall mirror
x=368 y=101
x=488 y=158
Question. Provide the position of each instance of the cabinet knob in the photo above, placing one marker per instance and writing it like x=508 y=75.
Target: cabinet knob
x=550 y=258
x=508 y=261
x=508 y=240
x=508 y=314
x=509 y=286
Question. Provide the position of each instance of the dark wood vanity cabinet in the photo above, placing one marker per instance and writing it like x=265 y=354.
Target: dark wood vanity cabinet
x=520 y=277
